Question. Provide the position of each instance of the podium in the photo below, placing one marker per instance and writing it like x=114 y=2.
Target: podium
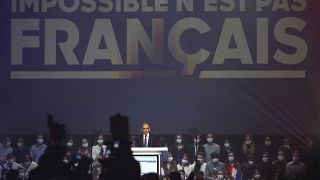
x=149 y=158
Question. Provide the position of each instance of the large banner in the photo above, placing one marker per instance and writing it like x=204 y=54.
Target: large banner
x=225 y=66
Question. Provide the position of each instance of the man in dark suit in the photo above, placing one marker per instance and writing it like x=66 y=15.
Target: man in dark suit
x=146 y=139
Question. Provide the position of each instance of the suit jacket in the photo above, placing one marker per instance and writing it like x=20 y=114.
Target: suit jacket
x=151 y=142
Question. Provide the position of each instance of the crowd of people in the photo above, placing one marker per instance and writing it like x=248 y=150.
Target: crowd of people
x=200 y=158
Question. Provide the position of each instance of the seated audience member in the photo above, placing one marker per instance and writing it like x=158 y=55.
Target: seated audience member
x=99 y=153
x=232 y=166
x=84 y=149
x=227 y=147
x=213 y=167
x=200 y=163
x=279 y=165
x=195 y=147
x=295 y=170
x=178 y=149
x=37 y=150
x=211 y=147
x=248 y=168
x=11 y=164
x=248 y=148
x=5 y=149
x=220 y=176
x=266 y=167
x=71 y=147
x=257 y=175
x=20 y=150
x=185 y=165
x=269 y=147
x=28 y=166
x=286 y=148
x=169 y=166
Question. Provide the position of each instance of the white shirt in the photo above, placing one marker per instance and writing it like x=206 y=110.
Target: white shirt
x=187 y=169
x=96 y=151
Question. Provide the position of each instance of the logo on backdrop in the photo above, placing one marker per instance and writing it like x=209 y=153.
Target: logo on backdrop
x=128 y=39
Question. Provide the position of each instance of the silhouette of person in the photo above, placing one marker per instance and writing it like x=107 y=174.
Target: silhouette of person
x=120 y=164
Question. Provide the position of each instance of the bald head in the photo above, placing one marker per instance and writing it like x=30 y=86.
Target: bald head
x=145 y=128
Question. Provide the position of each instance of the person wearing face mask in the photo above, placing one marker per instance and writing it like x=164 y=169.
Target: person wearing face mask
x=233 y=167
x=279 y=165
x=28 y=165
x=213 y=167
x=178 y=148
x=211 y=147
x=168 y=167
x=227 y=147
x=84 y=149
x=11 y=164
x=195 y=147
x=5 y=149
x=265 y=167
x=295 y=170
x=287 y=148
x=248 y=148
x=37 y=150
x=200 y=162
x=185 y=165
x=71 y=148
x=258 y=175
x=99 y=152
x=20 y=150
x=268 y=146
x=220 y=176
x=248 y=168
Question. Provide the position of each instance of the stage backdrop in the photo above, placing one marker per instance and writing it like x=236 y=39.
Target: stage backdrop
x=224 y=66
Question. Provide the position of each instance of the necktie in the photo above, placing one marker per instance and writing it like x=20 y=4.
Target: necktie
x=145 y=141
x=101 y=152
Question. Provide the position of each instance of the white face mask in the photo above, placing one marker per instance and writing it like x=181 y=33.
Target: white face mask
x=250 y=162
x=69 y=144
x=179 y=141
x=230 y=158
x=257 y=176
x=280 y=157
x=220 y=176
x=40 y=140
x=100 y=141
x=184 y=161
x=248 y=142
x=265 y=159
x=19 y=144
x=267 y=143
x=170 y=159
x=85 y=145
x=66 y=161
x=215 y=160
x=226 y=145
x=209 y=140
